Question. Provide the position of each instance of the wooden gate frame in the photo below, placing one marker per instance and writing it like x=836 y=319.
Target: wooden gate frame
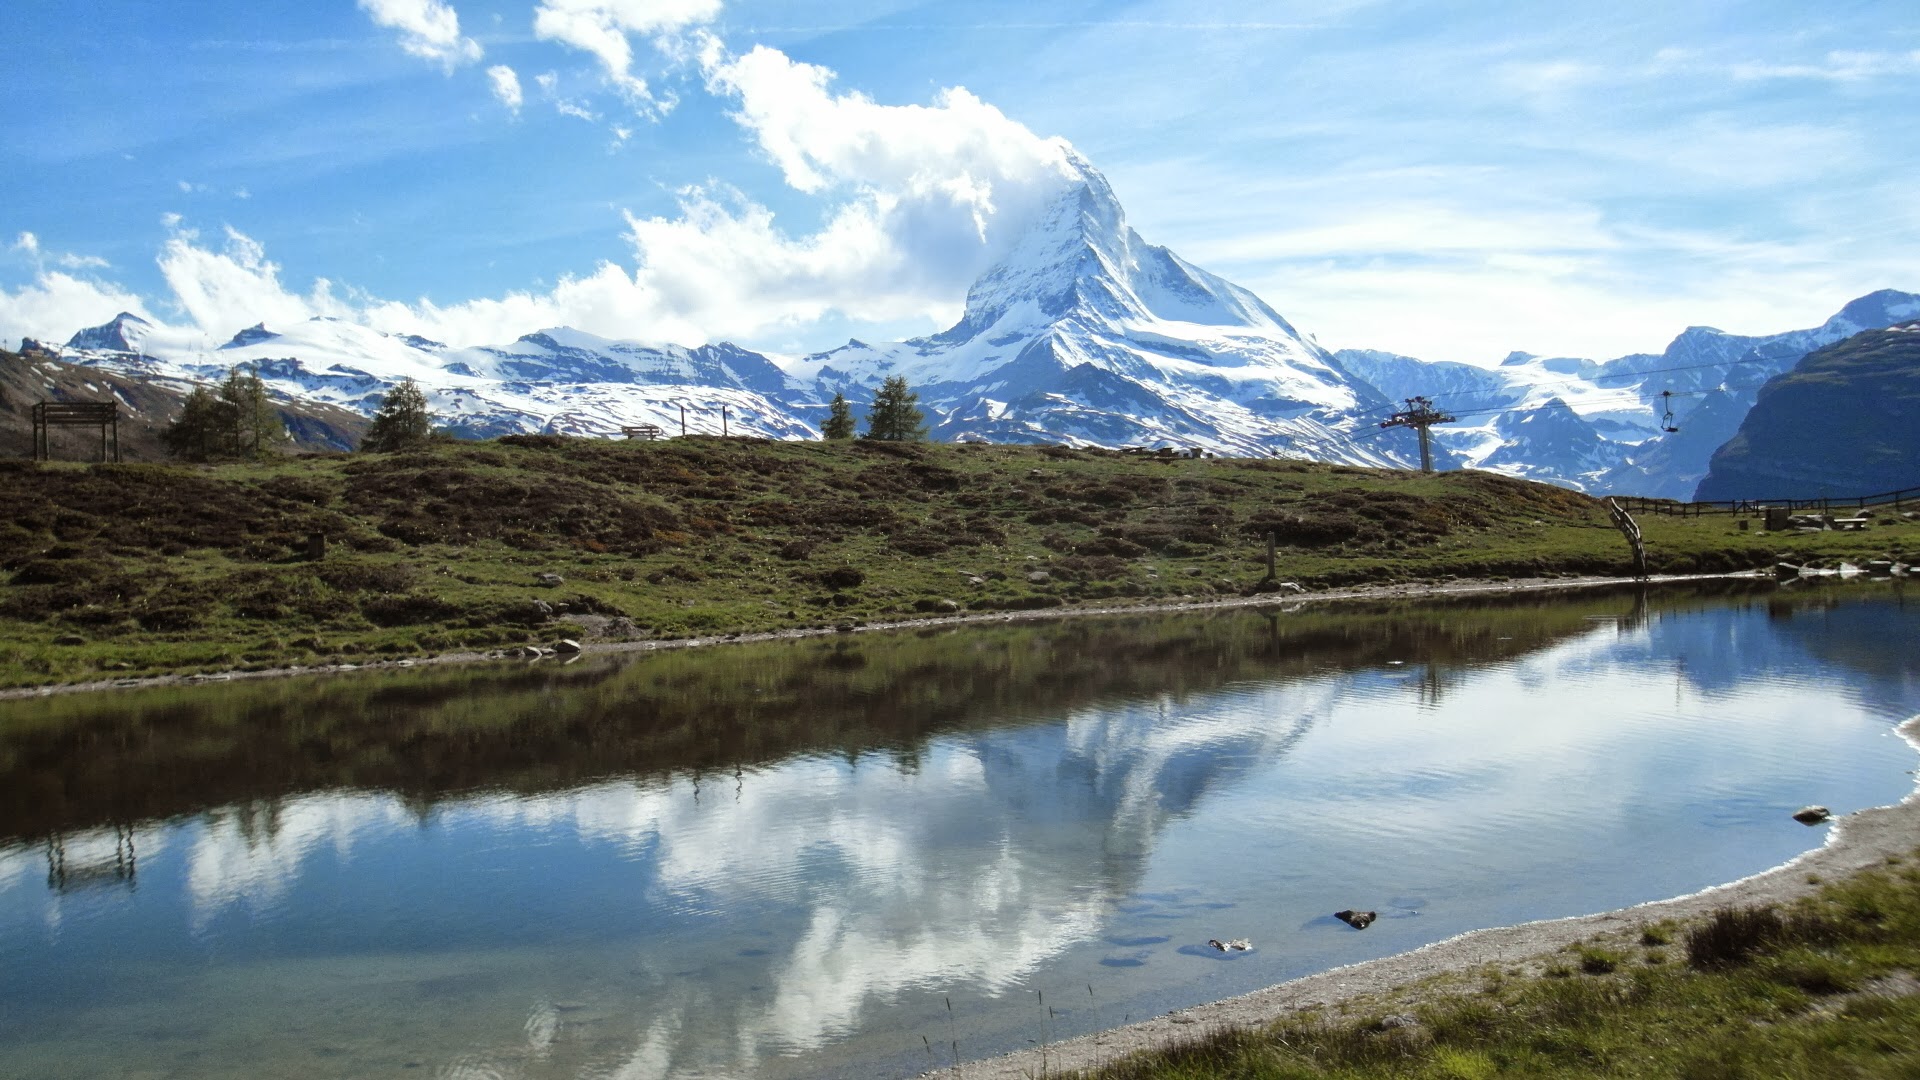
x=52 y=414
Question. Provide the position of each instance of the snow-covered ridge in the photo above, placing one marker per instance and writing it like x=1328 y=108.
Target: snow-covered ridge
x=1085 y=334
x=1601 y=425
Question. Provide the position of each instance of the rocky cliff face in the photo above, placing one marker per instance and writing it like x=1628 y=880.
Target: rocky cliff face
x=1841 y=423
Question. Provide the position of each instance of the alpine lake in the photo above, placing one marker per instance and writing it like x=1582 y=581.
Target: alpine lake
x=875 y=854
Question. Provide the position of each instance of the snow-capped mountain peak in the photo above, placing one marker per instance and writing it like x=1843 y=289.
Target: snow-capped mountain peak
x=123 y=333
x=1083 y=261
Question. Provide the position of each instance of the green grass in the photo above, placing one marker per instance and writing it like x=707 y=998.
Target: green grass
x=1821 y=989
x=145 y=569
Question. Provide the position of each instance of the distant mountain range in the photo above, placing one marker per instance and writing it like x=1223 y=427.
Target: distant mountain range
x=1844 y=422
x=1083 y=334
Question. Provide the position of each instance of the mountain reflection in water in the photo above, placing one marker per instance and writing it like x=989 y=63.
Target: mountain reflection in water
x=790 y=857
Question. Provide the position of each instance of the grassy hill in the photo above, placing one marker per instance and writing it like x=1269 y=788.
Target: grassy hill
x=107 y=570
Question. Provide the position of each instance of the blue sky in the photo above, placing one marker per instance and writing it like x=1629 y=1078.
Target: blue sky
x=1449 y=181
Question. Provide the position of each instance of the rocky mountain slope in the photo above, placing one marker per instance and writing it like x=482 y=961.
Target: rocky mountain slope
x=147 y=406
x=1597 y=425
x=1841 y=423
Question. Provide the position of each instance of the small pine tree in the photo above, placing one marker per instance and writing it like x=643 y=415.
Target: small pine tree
x=255 y=429
x=204 y=429
x=895 y=416
x=839 y=423
x=401 y=422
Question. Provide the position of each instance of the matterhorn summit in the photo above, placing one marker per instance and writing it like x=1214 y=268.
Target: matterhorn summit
x=1087 y=334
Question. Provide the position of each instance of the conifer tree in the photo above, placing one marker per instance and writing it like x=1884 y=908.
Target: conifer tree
x=256 y=428
x=895 y=416
x=839 y=423
x=203 y=430
x=401 y=422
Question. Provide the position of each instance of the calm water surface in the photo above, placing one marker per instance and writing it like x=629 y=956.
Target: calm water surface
x=861 y=856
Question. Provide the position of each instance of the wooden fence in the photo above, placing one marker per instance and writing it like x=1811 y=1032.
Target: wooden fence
x=1897 y=500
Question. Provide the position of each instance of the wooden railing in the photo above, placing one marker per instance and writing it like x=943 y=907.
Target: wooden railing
x=1758 y=507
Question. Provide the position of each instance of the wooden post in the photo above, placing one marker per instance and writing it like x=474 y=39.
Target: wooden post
x=683 y=419
x=316 y=546
x=1630 y=529
x=723 y=421
x=1271 y=574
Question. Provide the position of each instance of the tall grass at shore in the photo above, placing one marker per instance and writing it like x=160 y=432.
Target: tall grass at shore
x=1815 y=990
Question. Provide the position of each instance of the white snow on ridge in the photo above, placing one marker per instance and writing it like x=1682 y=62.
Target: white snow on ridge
x=1084 y=334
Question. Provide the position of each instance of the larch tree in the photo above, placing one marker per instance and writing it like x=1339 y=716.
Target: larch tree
x=257 y=428
x=839 y=423
x=401 y=422
x=895 y=415
x=236 y=421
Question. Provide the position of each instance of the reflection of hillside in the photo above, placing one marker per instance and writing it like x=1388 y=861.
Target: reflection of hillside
x=1814 y=630
x=1851 y=636
x=77 y=762
x=698 y=910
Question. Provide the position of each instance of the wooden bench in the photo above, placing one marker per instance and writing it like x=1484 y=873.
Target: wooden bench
x=1844 y=524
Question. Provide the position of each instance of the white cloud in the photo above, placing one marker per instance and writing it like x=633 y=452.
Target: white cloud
x=56 y=304
x=429 y=29
x=506 y=87
x=29 y=245
x=917 y=201
x=601 y=27
x=225 y=290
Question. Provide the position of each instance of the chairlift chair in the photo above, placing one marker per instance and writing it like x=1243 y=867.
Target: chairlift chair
x=1666 y=422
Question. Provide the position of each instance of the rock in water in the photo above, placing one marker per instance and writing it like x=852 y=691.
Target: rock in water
x=1359 y=920
x=1236 y=945
x=1812 y=815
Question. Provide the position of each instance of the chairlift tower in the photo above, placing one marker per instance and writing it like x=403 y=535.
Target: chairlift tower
x=1420 y=416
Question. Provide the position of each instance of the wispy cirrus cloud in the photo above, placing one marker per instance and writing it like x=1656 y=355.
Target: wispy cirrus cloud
x=602 y=28
x=1840 y=65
